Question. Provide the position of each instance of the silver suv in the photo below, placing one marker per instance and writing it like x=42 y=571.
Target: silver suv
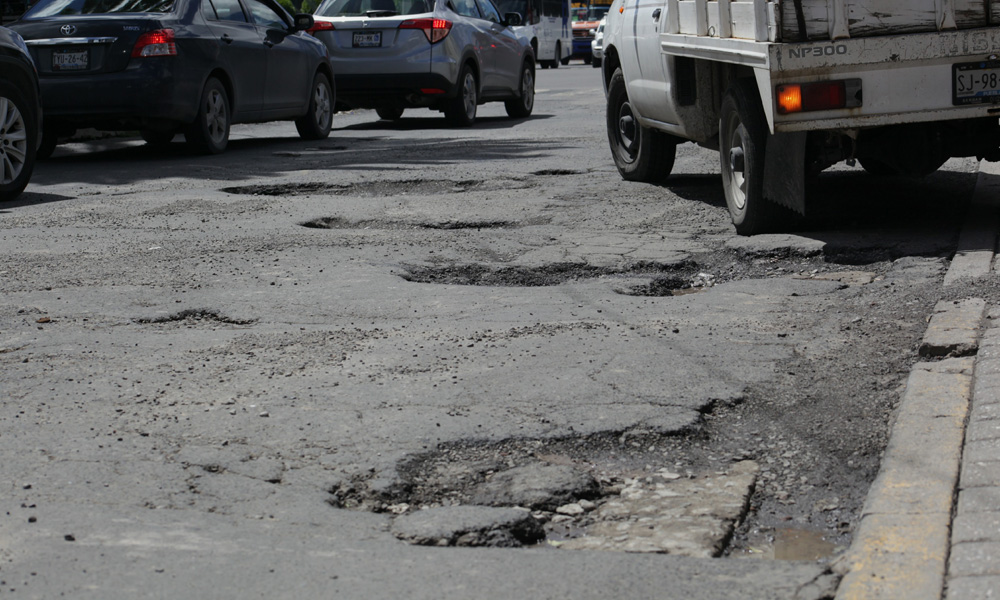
x=447 y=55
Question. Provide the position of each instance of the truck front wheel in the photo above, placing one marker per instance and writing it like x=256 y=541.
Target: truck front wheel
x=640 y=154
x=742 y=143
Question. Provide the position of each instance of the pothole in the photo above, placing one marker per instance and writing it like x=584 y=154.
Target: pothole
x=341 y=223
x=557 y=172
x=196 y=315
x=540 y=276
x=448 y=225
x=591 y=494
x=646 y=278
x=667 y=286
x=377 y=188
x=284 y=189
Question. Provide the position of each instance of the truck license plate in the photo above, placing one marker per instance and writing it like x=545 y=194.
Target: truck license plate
x=70 y=60
x=367 y=40
x=976 y=83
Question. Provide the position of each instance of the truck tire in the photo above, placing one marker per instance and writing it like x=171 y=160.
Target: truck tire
x=461 y=110
x=742 y=143
x=557 y=57
x=640 y=154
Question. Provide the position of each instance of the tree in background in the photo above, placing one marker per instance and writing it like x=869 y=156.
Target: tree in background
x=299 y=6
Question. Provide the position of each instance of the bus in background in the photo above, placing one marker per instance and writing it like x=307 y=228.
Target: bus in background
x=546 y=26
x=586 y=16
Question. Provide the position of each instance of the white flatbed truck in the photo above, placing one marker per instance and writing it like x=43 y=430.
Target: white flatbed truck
x=786 y=88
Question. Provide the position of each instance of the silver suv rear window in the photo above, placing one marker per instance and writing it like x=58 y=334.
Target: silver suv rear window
x=373 y=8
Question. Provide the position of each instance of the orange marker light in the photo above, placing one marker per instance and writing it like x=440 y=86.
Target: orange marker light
x=789 y=99
x=818 y=95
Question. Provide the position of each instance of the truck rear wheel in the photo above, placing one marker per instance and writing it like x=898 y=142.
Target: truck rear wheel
x=640 y=154
x=742 y=143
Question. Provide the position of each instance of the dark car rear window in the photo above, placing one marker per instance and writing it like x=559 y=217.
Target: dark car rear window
x=359 y=8
x=51 y=8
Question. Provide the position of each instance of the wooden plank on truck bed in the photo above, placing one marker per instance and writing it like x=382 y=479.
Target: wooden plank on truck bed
x=742 y=19
x=886 y=17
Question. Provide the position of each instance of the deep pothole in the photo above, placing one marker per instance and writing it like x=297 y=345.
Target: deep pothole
x=557 y=172
x=618 y=492
x=196 y=315
x=536 y=276
x=390 y=225
x=651 y=278
x=378 y=188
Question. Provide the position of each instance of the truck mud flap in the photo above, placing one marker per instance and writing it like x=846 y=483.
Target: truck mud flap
x=785 y=170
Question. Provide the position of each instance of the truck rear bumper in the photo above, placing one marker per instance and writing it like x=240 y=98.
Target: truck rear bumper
x=904 y=78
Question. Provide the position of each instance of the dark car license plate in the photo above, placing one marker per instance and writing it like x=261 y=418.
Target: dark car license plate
x=70 y=60
x=368 y=39
x=976 y=83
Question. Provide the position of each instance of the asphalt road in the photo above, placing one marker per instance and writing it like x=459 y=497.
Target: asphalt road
x=227 y=376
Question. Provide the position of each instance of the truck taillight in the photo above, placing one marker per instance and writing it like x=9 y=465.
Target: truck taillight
x=820 y=95
x=159 y=42
x=320 y=26
x=435 y=29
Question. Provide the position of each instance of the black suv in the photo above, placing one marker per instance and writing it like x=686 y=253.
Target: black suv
x=20 y=114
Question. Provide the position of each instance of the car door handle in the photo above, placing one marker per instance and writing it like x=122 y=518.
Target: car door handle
x=656 y=15
x=226 y=38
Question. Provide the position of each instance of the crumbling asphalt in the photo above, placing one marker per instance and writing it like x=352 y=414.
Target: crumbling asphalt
x=235 y=373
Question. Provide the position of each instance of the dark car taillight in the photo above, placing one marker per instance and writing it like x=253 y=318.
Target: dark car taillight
x=435 y=29
x=159 y=42
x=320 y=26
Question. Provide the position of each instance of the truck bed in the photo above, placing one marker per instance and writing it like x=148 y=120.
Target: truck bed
x=814 y=20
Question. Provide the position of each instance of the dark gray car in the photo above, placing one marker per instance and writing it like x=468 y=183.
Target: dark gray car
x=20 y=114
x=448 y=55
x=169 y=66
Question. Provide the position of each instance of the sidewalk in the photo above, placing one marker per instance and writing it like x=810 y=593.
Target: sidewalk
x=974 y=565
x=914 y=540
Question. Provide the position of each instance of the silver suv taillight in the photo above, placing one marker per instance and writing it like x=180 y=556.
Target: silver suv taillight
x=435 y=29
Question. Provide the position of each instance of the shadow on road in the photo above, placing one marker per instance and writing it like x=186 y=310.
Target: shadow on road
x=123 y=161
x=864 y=218
x=29 y=198
x=439 y=124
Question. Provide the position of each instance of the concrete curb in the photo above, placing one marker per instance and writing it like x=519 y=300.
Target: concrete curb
x=901 y=547
x=903 y=543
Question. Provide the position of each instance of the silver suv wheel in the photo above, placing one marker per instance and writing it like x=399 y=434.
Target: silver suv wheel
x=462 y=109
